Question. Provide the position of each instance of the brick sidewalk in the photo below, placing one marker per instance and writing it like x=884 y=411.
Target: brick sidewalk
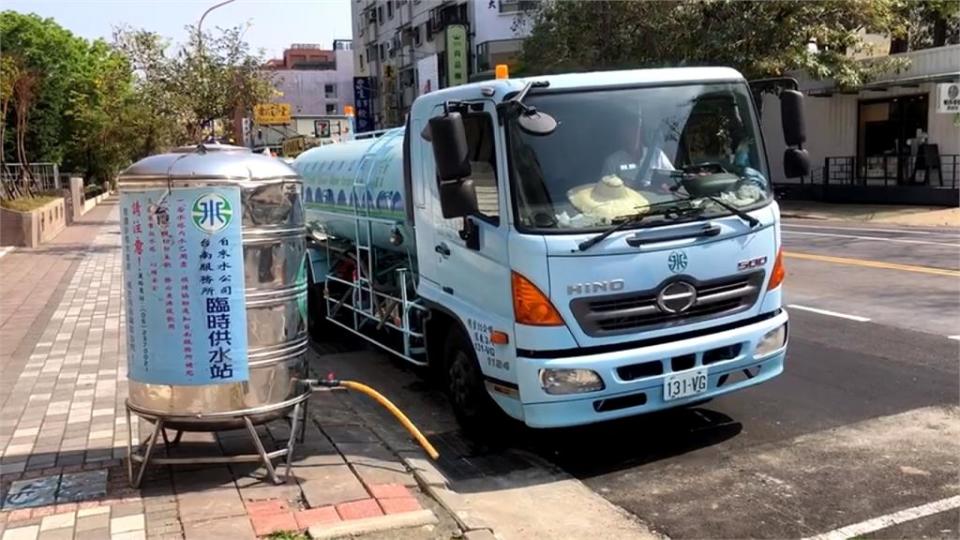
x=63 y=431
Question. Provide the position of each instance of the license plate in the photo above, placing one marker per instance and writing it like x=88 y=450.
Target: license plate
x=681 y=385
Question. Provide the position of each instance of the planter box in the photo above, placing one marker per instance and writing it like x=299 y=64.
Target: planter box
x=30 y=229
x=88 y=204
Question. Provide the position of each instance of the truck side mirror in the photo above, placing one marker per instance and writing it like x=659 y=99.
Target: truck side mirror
x=791 y=116
x=796 y=163
x=458 y=198
x=796 y=160
x=450 y=151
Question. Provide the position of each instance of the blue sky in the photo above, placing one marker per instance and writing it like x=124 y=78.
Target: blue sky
x=274 y=23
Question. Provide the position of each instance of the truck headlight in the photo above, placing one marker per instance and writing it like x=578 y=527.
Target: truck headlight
x=772 y=341
x=570 y=381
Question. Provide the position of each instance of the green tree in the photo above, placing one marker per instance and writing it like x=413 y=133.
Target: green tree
x=760 y=39
x=54 y=56
x=207 y=79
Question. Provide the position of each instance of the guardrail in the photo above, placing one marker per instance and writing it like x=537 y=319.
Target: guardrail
x=45 y=176
x=889 y=171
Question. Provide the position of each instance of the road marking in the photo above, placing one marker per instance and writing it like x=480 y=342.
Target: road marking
x=889 y=520
x=829 y=313
x=896 y=231
x=874 y=238
x=872 y=264
x=954 y=337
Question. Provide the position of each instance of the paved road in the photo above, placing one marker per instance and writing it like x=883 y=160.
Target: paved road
x=863 y=423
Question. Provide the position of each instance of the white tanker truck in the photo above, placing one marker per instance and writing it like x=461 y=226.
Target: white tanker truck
x=566 y=249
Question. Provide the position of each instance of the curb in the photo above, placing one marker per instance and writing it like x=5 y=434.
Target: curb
x=432 y=482
x=374 y=524
x=806 y=216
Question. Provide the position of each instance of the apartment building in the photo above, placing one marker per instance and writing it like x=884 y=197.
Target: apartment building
x=314 y=82
x=405 y=48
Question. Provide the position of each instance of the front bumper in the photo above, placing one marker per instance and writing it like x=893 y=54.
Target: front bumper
x=621 y=398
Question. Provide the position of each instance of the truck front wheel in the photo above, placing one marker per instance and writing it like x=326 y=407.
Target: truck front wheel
x=474 y=408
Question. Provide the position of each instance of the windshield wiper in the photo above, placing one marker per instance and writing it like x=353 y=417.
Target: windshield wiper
x=750 y=220
x=633 y=219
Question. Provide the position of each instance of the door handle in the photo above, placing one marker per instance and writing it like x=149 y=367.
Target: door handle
x=442 y=249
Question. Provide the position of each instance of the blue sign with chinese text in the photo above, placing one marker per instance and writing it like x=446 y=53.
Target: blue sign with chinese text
x=184 y=285
x=363 y=104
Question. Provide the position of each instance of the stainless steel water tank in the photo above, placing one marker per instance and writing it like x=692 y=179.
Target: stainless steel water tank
x=275 y=283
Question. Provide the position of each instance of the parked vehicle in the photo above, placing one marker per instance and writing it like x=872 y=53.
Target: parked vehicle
x=566 y=249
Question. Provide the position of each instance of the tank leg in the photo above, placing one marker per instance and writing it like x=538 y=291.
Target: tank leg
x=158 y=427
x=263 y=453
x=129 y=448
x=166 y=441
x=303 y=422
x=176 y=438
x=294 y=424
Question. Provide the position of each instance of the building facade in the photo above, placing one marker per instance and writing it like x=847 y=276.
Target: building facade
x=405 y=48
x=895 y=139
x=314 y=82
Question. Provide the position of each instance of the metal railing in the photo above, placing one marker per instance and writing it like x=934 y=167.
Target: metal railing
x=890 y=170
x=45 y=176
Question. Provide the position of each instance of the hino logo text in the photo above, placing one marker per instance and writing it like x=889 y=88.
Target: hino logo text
x=593 y=287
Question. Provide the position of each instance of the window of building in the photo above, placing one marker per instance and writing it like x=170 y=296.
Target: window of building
x=416 y=36
x=380 y=14
x=383 y=51
x=511 y=6
x=428 y=29
x=330 y=91
x=331 y=108
x=361 y=61
x=389 y=9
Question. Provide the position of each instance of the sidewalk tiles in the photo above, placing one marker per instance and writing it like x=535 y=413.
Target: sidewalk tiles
x=63 y=438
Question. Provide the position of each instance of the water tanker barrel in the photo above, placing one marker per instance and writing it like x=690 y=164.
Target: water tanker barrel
x=215 y=282
x=362 y=177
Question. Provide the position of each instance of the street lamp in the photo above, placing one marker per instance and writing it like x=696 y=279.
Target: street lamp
x=213 y=127
x=205 y=13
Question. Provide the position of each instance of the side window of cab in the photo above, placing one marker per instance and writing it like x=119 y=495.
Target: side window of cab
x=483 y=164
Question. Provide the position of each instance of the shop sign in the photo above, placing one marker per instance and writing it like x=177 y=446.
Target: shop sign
x=948 y=98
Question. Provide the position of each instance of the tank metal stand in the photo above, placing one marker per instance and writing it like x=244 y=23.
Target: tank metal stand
x=143 y=455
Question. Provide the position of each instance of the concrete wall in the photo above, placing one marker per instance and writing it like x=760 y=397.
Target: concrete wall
x=30 y=229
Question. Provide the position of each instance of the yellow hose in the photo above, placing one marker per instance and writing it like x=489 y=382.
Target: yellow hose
x=378 y=397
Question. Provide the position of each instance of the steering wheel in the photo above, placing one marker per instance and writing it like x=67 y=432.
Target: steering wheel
x=705 y=168
x=707 y=178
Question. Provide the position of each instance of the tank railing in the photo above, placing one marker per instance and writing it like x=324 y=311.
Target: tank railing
x=363 y=226
x=381 y=303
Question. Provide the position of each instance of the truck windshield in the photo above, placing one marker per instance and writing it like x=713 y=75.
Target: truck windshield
x=616 y=151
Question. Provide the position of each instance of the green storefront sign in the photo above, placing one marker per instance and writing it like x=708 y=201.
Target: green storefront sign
x=456 y=54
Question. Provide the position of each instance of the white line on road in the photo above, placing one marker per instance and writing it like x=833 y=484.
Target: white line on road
x=875 y=238
x=870 y=229
x=829 y=313
x=889 y=520
x=954 y=337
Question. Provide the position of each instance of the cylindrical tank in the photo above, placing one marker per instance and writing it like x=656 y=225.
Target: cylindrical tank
x=364 y=177
x=185 y=373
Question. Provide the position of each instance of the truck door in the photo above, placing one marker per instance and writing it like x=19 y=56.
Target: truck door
x=475 y=283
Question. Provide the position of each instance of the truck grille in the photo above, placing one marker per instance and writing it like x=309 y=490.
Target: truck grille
x=623 y=313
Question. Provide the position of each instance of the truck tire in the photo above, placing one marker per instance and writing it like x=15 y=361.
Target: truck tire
x=475 y=410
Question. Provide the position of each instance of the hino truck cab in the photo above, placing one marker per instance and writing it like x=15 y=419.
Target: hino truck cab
x=564 y=249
